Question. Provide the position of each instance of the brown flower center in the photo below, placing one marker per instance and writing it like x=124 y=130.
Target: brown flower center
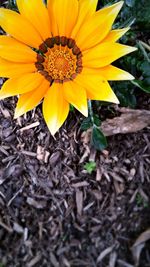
x=61 y=60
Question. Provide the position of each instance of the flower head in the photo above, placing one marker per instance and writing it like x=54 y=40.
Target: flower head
x=61 y=53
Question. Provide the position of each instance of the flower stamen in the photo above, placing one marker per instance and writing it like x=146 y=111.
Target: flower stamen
x=61 y=60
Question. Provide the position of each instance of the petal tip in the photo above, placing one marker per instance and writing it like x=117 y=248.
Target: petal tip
x=16 y=116
x=53 y=130
x=130 y=77
x=18 y=113
x=119 y=5
x=113 y=98
x=2 y=96
x=84 y=111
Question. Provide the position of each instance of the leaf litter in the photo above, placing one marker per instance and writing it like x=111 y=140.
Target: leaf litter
x=54 y=213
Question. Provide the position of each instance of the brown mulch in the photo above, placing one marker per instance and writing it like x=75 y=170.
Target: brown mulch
x=53 y=213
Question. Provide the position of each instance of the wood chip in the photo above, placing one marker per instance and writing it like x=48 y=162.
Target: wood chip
x=104 y=253
x=98 y=174
x=6 y=227
x=36 y=204
x=124 y=264
x=29 y=153
x=32 y=125
x=34 y=261
x=145 y=236
x=139 y=245
x=80 y=184
x=42 y=154
x=79 y=201
x=18 y=228
x=53 y=260
x=5 y=112
x=112 y=259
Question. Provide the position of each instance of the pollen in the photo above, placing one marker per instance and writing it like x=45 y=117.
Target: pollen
x=61 y=60
x=60 y=63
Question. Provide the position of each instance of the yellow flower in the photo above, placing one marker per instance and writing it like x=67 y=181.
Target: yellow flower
x=61 y=52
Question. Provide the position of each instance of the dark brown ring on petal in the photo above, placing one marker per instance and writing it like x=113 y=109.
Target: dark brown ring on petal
x=79 y=62
x=58 y=81
x=78 y=69
x=44 y=73
x=43 y=48
x=63 y=41
x=66 y=80
x=39 y=66
x=79 y=56
x=40 y=58
x=73 y=76
x=76 y=51
x=71 y=43
x=50 y=42
x=49 y=78
x=57 y=40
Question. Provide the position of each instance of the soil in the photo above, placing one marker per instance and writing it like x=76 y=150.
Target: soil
x=54 y=213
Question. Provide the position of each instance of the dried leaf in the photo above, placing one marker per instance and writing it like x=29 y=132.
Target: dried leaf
x=139 y=245
x=145 y=236
x=104 y=253
x=130 y=121
x=79 y=201
x=36 y=204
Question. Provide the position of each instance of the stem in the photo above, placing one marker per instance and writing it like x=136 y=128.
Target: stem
x=143 y=51
x=145 y=45
x=91 y=111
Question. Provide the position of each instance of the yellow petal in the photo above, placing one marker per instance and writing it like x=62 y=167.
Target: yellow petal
x=63 y=14
x=75 y=94
x=30 y=100
x=9 y=69
x=20 y=85
x=36 y=12
x=114 y=35
x=54 y=26
x=97 y=88
x=55 y=108
x=20 y=28
x=86 y=10
x=13 y=50
x=97 y=27
x=104 y=54
x=112 y=73
x=109 y=72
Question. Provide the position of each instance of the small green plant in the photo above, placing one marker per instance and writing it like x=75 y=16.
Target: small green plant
x=98 y=140
x=141 y=202
x=90 y=166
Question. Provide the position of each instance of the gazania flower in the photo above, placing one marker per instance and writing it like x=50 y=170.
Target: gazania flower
x=61 y=53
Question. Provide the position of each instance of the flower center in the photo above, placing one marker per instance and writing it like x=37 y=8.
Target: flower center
x=61 y=60
x=60 y=63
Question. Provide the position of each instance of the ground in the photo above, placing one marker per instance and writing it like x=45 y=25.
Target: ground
x=53 y=213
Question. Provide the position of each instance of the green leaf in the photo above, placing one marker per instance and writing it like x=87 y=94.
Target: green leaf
x=130 y=3
x=86 y=124
x=126 y=95
x=96 y=119
x=90 y=166
x=71 y=108
x=141 y=11
x=99 y=140
x=141 y=85
x=145 y=68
